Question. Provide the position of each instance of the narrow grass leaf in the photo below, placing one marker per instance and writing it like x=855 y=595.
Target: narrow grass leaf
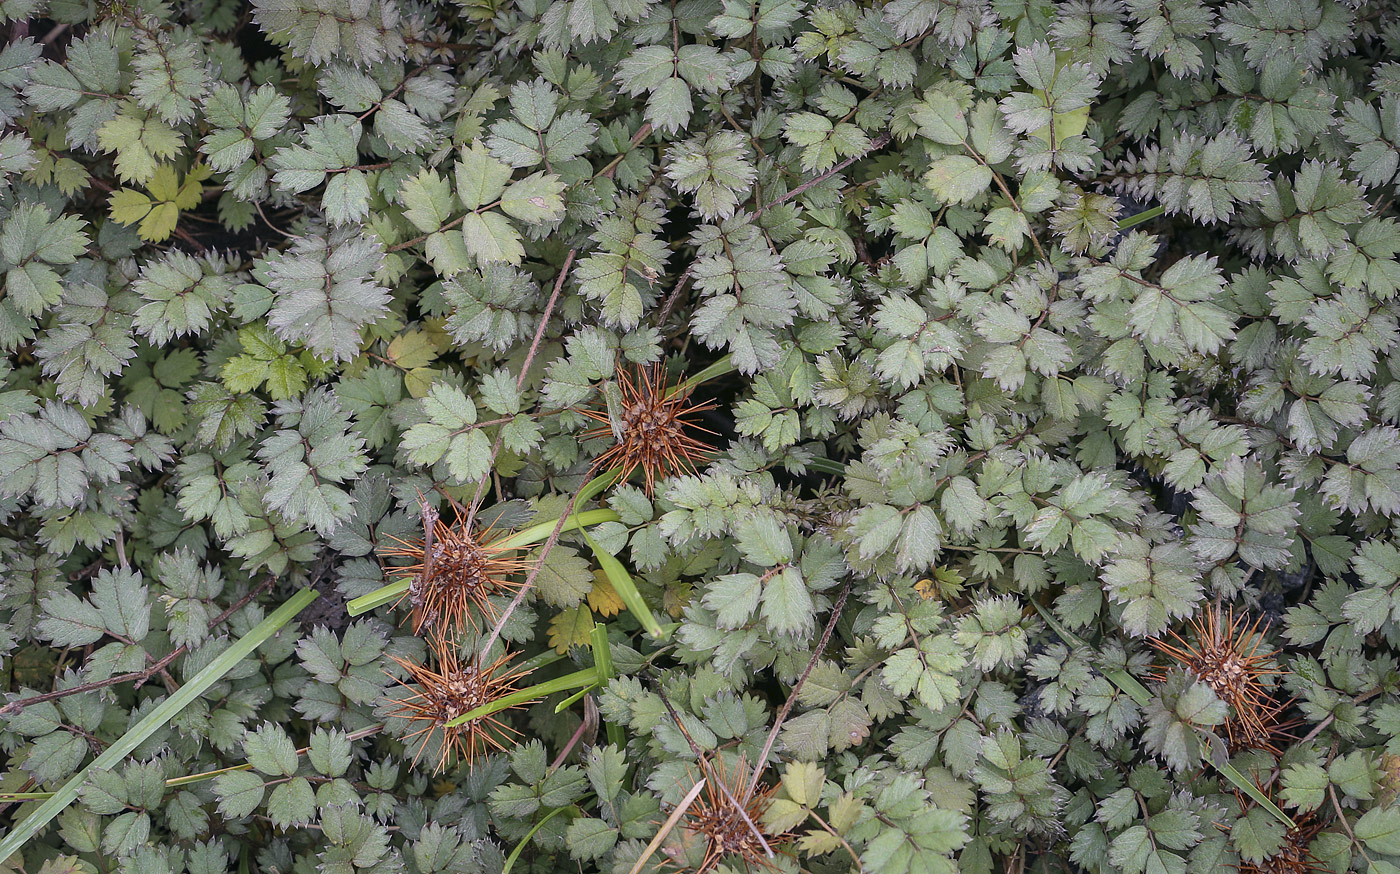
x=163 y=713
x=572 y=699
x=577 y=679
x=525 y=841
x=626 y=589
x=602 y=660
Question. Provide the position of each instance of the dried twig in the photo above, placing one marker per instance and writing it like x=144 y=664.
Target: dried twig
x=544 y=319
x=430 y=519
x=530 y=578
x=589 y=724
x=669 y=824
x=792 y=696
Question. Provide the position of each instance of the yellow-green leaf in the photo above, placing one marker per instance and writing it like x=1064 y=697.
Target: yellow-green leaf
x=159 y=223
x=570 y=628
x=1065 y=124
x=164 y=184
x=603 y=598
x=491 y=237
x=419 y=380
x=413 y=349
x=129 y=206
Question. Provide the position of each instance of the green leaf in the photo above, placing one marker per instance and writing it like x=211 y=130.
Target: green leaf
x=325 y=292
x=291 y=803
x=958 y=179
x=670 y=105
x=1304 y=786
x=535 y=199
x=480 y=178
x=1257 y=836
x=490 y=237
x=787 y=604
x=589 y=838
x=119 y=606
x=427 y=200
x=1379 y=830
x=139 y=143
x=270 y=751
x=239 y=793
x=941 y=119
x=328 y=143
x=715 y=169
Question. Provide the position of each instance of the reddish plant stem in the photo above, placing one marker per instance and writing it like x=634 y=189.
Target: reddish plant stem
x=792 y=696
x=529 y=579
x=544 y=318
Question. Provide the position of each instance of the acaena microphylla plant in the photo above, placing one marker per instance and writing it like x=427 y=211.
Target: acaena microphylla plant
x=650 y=429
x=727 y=820
x=453 y=574
x=1224 y=652
x=979 y=417
x=435 y=695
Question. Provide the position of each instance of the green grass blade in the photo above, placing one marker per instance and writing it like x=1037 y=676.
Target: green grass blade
x=718 y=369
x=572 y=699
x=163 y=713
x=519 y=540
x=626 y=589
x=592 y=489
x=543 y=660
x=541 y=531
x=827 y=465
x=378 y=598
x=602 y=659
x=1247 y=786
x=1138 y=692
x=201 y=777
x=207 y=775
x=577 y=679
x=525 y=841
x=1146 y=215
x=602 y=652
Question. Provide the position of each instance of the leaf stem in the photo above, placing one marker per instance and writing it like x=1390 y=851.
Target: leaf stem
x=797 y=687
x=667 y=826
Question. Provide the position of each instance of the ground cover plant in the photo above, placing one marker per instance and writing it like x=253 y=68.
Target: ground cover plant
x=699 y=435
